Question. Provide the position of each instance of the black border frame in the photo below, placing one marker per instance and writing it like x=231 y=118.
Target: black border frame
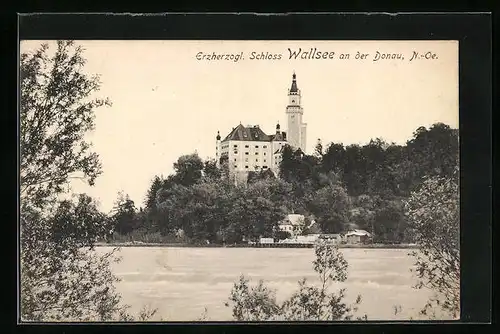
x=472 y=30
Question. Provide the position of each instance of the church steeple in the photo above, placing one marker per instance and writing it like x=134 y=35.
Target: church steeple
x=294 y=88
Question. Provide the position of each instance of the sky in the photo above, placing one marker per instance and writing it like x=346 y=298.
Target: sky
x=167 y=103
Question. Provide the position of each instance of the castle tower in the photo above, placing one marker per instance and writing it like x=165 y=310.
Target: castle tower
x=296 y=132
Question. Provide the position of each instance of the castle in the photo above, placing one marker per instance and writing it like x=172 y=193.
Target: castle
x=248 y=148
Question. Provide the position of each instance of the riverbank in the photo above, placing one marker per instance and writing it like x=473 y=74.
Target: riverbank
x=149 y=244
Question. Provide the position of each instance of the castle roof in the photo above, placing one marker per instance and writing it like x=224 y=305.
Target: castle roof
x=251 y=133
x=279 y=136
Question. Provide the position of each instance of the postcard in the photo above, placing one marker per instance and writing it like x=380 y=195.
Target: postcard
x=251 y=180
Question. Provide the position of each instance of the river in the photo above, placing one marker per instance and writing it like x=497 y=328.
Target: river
x=182 y=282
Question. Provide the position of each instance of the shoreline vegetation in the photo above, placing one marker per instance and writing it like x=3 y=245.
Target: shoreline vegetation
x=173 y=245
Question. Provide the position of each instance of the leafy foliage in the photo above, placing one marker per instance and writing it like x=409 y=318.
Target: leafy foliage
x=330 y=205
x=56 y=110
x=211 y=171
x=62 y=277
x=156 y=185
x=124 y=217
x=188 y=169
x=308 y=303
x=253 y=303
x=344 y=188
x=217 y=212
x=434 y=219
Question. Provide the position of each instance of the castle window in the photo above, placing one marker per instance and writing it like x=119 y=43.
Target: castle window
x=256 y=153
x=234 y=159
x=246 y=153
x=246 y=146
x=265 y=167
x=264 y=160
x=235 y=166
x=246 y=166
x=235 y=146
x=264 y=153
x=246 y=159
x=265 y=146
x=256 y=146
x=257 y=160
x=235 y=152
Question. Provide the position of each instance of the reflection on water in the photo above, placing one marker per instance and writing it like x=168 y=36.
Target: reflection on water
x=181 y=282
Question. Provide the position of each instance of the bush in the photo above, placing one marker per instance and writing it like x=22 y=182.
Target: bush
x=434 y=218
x=309 y=303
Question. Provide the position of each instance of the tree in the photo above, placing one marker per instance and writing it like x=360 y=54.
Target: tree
x=309 y=303
x=389 y=222
x=434 y=151
x=124 y=216
x=333 y=159
x=255 y=210
x=170 y=201
x=331 y=206
x=150 y=201
x=253 y=303
x=380 y=178
x=79 y=222
x=56 y=111
x=62 y=278
x=318 y=149
x=434 y=221
x=201 y=210
x=301 y=172
x=211 y=171
x=261 y=175
x=362 y=214
x=355 y=170
x=151 y=217
x=188 y=169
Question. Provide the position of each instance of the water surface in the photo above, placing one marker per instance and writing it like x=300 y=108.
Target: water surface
x=182 y=282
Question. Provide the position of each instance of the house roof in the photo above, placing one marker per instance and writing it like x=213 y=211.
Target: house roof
x=326 y=236
x=293 y=219
x=358 y=232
